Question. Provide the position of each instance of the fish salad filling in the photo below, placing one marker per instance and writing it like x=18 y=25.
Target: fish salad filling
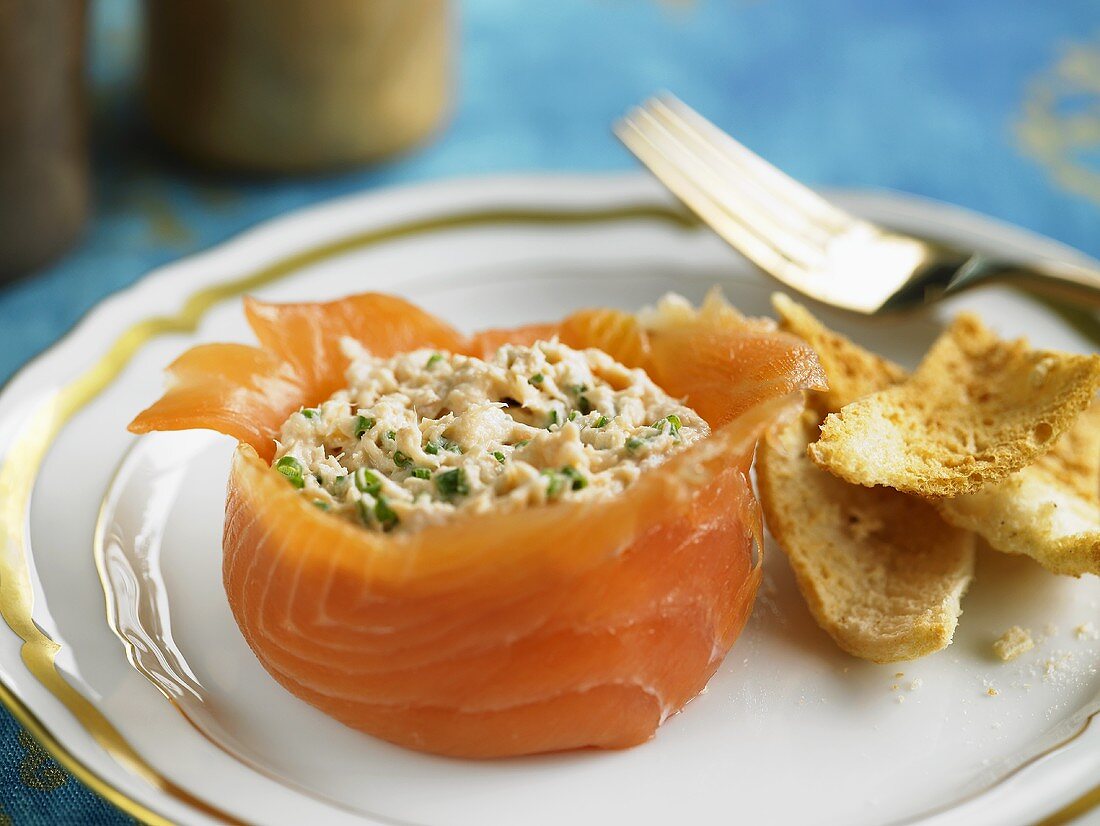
x=424 y=436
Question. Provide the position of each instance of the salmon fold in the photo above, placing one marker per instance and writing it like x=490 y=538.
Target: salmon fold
x=573 y=624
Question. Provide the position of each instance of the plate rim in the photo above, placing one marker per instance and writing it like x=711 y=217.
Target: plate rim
x=619 y=190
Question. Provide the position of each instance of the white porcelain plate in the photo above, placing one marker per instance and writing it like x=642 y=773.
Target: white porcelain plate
x=158 y=703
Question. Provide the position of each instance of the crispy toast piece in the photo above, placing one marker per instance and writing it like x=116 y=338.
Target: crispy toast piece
x=976 y=410
x=1050 y=510
x=880 y=571
x=852 y=371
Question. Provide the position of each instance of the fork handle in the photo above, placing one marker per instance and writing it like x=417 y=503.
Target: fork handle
x=1073 y=283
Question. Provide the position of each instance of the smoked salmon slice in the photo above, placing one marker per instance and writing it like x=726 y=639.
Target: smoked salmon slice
x=573 y=624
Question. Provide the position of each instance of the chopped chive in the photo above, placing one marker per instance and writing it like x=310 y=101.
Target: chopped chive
x=553 y=419
x=292 y=469
x=433 y=358
x=340 y=486
x=422 y=473
x=555 y=482
x=391 y=435
x=385 y=515
x=367 y=481
x=498 y=456
x=309 y=412
x=584 y=405
x=578 y=388
x=572 y=415
x=537 y=379
x=523 y=443
x=601 y=422
x=452 y=483
x=364 y=511
x=633 y=443
x=362 y=425
x=435 y=445
x=673 y=422
x=401 y=459
x=321 y=504
x=575 y=476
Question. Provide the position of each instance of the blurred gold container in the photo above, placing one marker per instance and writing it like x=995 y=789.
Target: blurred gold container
x=44 y=176
x=295 y=85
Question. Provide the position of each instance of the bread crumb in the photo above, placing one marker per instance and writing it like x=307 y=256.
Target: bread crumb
x=1056 y=667
x=917 y=683
x=899 y=699
x=1012 y=643
x=899 y=675
x=1086 y=631
x=992 y=692
x=894 y=687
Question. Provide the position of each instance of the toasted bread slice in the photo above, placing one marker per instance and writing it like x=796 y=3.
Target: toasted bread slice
x=880 y=571
x=976 y=410
x=882 y=574
x=1050 y=510
x=852 y=371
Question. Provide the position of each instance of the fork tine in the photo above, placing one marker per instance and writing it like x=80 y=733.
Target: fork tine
x=789 y=232
x=749 y=163
x=729 y=195
x=696 y=196
x=769 y=208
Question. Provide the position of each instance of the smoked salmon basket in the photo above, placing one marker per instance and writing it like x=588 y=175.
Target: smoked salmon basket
x=573 y=624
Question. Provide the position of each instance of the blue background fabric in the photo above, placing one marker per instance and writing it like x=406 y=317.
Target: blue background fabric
x=990 y=104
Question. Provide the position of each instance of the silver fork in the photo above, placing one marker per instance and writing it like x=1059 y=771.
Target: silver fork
x=806 y=242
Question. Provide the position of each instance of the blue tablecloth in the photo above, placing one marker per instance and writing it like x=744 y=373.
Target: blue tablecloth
x=991 y=104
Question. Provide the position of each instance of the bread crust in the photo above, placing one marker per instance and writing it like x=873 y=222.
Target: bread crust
x=977 y=409
x=1050 y=510
x=880 y=571
x=853 y=372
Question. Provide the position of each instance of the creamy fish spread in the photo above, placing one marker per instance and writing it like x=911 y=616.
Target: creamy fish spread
x=421 y=437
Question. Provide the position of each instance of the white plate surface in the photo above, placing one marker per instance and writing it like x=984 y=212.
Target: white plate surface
x=789 y=730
